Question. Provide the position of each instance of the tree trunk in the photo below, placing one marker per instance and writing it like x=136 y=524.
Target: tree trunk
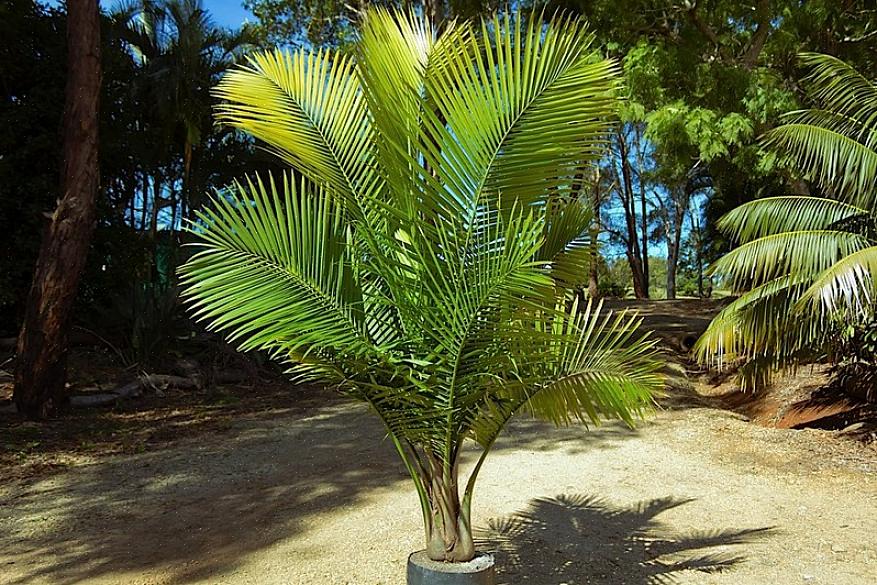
x=449 y=528
x=634 y=258
x=645 y=245
x=41 y=370
x=672 y=261
x=593 y=272
x=674 y=239
x=644 y=218
x=434 y=12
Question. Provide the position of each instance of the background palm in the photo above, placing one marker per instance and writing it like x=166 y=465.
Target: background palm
x=423 y=253
x=806 y=264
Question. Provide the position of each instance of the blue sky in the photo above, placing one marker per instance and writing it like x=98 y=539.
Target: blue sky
x=228 y=13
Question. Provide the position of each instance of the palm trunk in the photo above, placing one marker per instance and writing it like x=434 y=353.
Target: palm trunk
x=449 y=526
x=41 y=370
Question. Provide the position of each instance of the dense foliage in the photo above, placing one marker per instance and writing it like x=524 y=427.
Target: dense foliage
x=160 y=155
x=805 y=267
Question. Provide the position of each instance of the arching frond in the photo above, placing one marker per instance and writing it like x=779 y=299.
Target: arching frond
x=754 y=323
x=840 y=88
x=775 y=215
x=606 y=369
x=272 y=270
x=804 y=254
x=519 y=108
x=838 y=163
x=847 y=286
x=309 y=108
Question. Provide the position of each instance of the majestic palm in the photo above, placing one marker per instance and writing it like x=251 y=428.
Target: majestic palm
x=419 y=256
x=807 y=263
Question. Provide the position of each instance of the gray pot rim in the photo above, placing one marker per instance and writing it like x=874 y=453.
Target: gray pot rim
x=483 y=562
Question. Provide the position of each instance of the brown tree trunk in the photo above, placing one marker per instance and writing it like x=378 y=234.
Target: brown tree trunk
x=41 y=369
x=672 y=262
x=674 y=240
x=644 y=217
x=634 y=258
x=593 y=272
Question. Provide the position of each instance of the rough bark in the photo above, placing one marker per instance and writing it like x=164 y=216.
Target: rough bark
x=759 y=37
x=41 y=368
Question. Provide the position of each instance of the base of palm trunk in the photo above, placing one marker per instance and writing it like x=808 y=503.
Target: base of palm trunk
x=424 y=571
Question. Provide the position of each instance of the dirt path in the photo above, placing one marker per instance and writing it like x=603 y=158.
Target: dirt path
x=320 y=499
x=694 y=496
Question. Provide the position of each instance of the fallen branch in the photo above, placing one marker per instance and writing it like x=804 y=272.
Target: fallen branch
x=156 y=382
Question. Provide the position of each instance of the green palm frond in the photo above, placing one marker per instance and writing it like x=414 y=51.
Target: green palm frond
x=776 y=215
x=272 y=270
x=838 y=163
x=309 y=109
x=761 y=321
x=804 y=254
x=527 y=109
x=848 y=285
x=426 y=262
x=805 y=264
x=840 y=88
x=603 y=368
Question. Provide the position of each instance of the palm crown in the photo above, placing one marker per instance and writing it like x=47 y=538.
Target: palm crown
x=806 y=264
x=423 y=253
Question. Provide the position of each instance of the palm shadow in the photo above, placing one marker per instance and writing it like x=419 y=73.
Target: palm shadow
x=583 y=539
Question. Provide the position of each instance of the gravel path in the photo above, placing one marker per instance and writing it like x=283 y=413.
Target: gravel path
x=695 y=496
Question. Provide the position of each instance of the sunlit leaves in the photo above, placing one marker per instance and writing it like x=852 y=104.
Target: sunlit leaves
x=425 y=264
x=805 y=264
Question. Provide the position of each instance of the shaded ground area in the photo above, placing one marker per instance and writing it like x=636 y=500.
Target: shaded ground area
x=302 y=490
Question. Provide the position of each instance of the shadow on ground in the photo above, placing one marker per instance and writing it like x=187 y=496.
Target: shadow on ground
x=582 y=539
x=197 y=510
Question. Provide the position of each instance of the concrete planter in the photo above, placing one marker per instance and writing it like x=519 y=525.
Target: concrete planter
x=424 y=571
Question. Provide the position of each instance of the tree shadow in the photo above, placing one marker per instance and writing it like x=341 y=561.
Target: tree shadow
x=583 y=539
x=525 y=432
x=197 y=510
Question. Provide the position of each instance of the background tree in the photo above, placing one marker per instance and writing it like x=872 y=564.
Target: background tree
x=806 y=263
x=40 y=373
x=707 y=77
x=332 y=23
x=126 y=289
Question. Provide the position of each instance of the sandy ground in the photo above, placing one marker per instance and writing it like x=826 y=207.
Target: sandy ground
x=695 y=495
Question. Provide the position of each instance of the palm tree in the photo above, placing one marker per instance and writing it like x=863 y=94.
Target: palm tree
x=418 y=256
x=806 y=264
x=182 y=53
